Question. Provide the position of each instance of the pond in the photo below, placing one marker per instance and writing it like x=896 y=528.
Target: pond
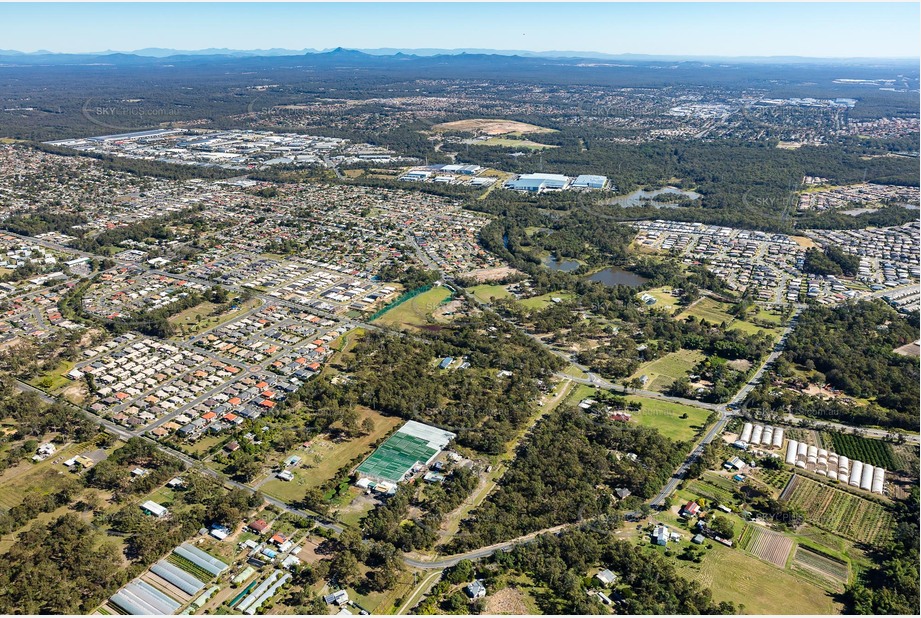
x=641 y=197
x=617 y=276
x=567 y=266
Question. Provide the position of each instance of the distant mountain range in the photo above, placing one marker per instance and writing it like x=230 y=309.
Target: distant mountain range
x=166 y=53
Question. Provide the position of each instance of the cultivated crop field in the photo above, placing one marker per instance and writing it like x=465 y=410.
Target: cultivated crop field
x=837 y=511
x=768 y=545
x=826 y=567
x=873 y=452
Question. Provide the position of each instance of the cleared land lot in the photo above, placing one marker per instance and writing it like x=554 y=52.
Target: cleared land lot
x=417 y=311
x=511 y=143
x=323 y=459
x=838 y=511
x=491 y=126
x=485 y=293
x=662 y=372
x=665 y=416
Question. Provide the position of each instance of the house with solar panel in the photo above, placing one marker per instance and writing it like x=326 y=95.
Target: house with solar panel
x=414 y=446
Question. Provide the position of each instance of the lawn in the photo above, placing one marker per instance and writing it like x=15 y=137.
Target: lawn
x=665 y=416
x=323 y=459
x=542 y=301
x=485 y=293
x=662 y=372
x=417 y=311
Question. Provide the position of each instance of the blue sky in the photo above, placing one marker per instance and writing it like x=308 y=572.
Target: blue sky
x=726 y=29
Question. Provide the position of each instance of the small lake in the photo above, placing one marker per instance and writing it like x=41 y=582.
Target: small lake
x=641 y=197
x=567 y=266
x=617 y=276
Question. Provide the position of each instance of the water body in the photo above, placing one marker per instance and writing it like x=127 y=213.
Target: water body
x=644 y=198
x=567 y=266
x=617 y=276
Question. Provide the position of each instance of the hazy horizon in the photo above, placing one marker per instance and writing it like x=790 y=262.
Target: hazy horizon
x=810 y=30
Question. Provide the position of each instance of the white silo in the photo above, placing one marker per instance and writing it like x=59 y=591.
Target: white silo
x=791 y=452
x=746 y=432
x=856 y=472
x=756 y=434
x=866 y=479
x=777 y=440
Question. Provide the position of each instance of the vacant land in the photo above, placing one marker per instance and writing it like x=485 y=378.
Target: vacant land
x=323 y=458
x=417 y=311
x=510 y=143
x=663 y=372
x=665 y=416
x=485 y=293
x=202 y=316
x=491 y=126
x=710 y=310
x=838 y=511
